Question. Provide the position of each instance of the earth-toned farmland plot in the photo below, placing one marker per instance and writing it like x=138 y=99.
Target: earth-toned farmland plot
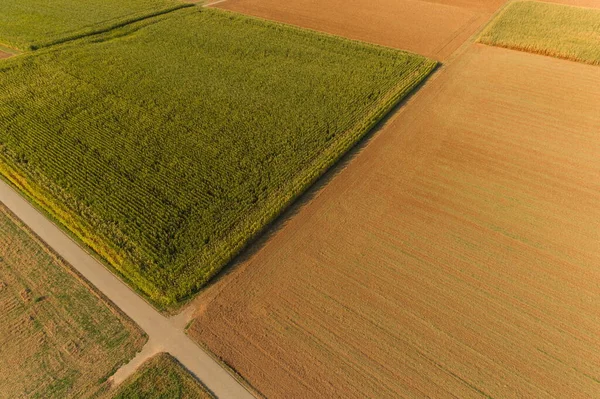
x=161 y=377
x=431 y=28
x=166 y=145
x=58 y=338
x=455 y=256
x=28 y=24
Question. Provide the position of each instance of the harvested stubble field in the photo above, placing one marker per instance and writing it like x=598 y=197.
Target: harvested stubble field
x=58 y=338
x=30 y=24
x=431 y=28
x=168 y=144
x=551 y=29
x=161 y=377
x=455 y=256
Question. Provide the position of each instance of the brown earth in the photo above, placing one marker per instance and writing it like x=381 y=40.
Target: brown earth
x=455 y=256
x=432 y=28
x=4 y=55
x=59 y=338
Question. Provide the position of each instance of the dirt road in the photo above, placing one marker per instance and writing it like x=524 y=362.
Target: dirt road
x=164 y=334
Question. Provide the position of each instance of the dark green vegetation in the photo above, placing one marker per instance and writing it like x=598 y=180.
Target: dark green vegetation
x=58 y=338
x=161 y=378
x=551 y=29
x=26 y=24
x=166 y=145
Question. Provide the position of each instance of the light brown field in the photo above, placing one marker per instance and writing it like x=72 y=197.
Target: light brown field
x=456 y=256
x=431 y=28
x=4 y=55
x=58 y=338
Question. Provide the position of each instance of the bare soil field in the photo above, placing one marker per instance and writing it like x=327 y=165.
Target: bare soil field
x=58 y=338
x=4 y=55
x=455 y=256
x=431 y=28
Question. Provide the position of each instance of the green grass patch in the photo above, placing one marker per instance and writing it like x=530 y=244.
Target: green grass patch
x=31 y=24
x=166 y=145
x=162 y=377
x=561 y=31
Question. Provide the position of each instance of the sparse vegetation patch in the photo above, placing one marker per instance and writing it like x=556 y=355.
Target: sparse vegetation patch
x=58 y=338
x=159 y=378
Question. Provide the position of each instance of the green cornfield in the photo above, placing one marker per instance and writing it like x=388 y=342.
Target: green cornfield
x=555 y=30
x=166 y=145
x=30 y=24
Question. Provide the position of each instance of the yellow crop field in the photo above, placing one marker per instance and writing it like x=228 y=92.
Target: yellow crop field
x=551 y=29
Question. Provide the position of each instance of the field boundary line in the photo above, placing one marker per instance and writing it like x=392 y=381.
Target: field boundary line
x=473 y=38
x=214 y=3
x=457 y=33
x=527 y=50
x=119 y=24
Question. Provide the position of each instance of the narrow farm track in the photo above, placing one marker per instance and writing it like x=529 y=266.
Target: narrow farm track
x=163 y=334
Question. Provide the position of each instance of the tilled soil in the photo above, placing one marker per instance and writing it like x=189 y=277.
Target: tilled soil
x=456 y=255
x=432 y=28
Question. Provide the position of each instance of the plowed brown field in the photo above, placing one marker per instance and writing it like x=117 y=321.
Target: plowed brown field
x=431 y=28
x=456 y=256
